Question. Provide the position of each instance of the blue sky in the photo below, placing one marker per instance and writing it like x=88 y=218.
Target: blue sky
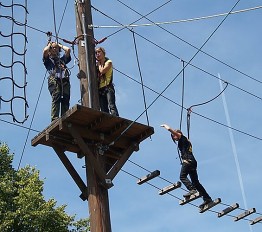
x=229 y=160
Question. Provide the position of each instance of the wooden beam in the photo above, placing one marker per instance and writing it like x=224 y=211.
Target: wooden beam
x=228 y=210
x=148 y=177
x=74 y=174
x=85 y=149
x=210 y=205
x=189 y=199
x=170 y=188
x=120 y=163
x=245 y=214
x=256 y=220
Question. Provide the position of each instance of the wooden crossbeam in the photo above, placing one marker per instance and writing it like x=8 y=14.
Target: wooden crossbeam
x=228 y=210
x=245 y=214
x=189 y=199
x=256 y=220
x=120 y=163
x=148 y=177
x=210 y=205
x=169 y=188
x=85 y=149
x=74 y=174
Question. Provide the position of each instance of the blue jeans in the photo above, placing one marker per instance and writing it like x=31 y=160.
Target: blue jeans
x=107 y=100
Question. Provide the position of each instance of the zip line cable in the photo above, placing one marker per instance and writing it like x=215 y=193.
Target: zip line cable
x=183 y=94
x=207 y=118
x=62 y=17
x=172 y=54
x=176 y=21
x=141 y=78
x=134 y=21
x=54 y=20
x=241 y=89
x=30 y=127
x=209 y=37
x=209 y=55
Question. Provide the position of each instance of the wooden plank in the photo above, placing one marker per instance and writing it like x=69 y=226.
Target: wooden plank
x=228 y=210
x=245 y=214
x=256 y=220
x=210 y=205
x=169 y=188
x=148 y=177
x=189 y=199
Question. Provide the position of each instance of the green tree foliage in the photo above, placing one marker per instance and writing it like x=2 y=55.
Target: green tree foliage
x=22 y=204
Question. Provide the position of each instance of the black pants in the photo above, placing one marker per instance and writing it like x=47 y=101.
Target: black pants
x=191 y=170
x=107 y=100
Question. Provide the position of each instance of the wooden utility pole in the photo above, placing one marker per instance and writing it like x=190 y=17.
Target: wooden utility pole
x=96 y=136
x=86 y=55
x=97 y=193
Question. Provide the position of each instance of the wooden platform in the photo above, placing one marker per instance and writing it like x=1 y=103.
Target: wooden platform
x=97 y=129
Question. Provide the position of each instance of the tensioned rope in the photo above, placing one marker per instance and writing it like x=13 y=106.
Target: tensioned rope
x=209 y=37
x=211 y=56
x=205 y=117
x=143 y=16
x=132 y=25
x=141 y=78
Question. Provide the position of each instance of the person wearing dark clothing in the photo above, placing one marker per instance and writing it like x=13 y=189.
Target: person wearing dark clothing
x=189 y=166
x=58 y=80
x=106 y=90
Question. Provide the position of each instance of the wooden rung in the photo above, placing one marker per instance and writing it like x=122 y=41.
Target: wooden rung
x=210 y=205
x=256 y=220
x=228 y=210
x=246 y=213
x=189 y=199
x=170 y=188
x=148 y=177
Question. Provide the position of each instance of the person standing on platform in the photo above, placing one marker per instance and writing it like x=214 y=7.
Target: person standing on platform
x=189 y=166
x=106 y=90
x=58 y=80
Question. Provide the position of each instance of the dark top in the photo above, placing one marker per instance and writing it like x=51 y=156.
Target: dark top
x=56 y=65
x=185 y=147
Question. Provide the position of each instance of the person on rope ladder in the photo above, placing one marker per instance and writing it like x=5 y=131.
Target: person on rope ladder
x=58 y=80
x=106 y=90
x=189 y=166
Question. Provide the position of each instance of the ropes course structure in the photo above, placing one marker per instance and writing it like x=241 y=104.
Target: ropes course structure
x=159 y=94
x=13 y=68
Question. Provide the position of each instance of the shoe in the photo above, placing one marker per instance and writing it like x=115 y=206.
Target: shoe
x=206 y=202
x=191 y=192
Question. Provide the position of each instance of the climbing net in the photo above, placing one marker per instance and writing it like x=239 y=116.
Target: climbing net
x=13 y=40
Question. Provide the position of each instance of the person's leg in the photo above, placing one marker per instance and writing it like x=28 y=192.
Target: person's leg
x=112 y=101
x=103 y=101
x=55 y=92
x=183 y=176
x=65 y=100
x=199 y=187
